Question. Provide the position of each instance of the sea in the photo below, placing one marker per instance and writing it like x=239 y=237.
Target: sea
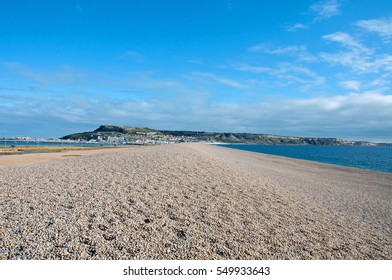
x=377 y=158
x=54 y=143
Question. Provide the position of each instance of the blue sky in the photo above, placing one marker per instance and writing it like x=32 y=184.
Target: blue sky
x=303 y=68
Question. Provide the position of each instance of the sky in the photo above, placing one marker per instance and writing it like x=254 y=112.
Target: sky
x=299 y=68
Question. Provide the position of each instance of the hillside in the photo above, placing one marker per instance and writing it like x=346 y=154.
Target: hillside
x=129 y=134
x=122 y=129
x=105 y=131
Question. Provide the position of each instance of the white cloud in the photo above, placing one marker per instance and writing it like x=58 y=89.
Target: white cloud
x=383 y=27
x=345 y=39
x=351 y=84
x=296 y=27
x=360 y=62
x=64 y=75
x=255 y=69
x=229 y=82
x=290 y=50
x=288 y=74
x=300 y=52
x=321 y=10
x=382 y=81
x=361 y=115
x=326 y=9
x=211 y=77
x=183 y=106
x=357 y=56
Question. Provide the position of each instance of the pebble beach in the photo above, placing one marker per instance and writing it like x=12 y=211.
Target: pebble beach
x=192 y=201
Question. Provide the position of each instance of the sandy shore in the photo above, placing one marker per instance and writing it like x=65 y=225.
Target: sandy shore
x=192 y=201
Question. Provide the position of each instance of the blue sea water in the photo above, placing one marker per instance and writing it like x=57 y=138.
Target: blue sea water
x=378 y=158
x=35 y=143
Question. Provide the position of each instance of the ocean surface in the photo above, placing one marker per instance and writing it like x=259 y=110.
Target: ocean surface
x=378 y=158
x=35 y=143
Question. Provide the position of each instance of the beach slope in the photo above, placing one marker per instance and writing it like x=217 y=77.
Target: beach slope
x=187 y=201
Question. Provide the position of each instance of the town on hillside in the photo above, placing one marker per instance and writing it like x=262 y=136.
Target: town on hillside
x=141 y=135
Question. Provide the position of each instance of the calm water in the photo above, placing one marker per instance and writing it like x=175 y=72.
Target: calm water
x=374 y=158
x=33 y=143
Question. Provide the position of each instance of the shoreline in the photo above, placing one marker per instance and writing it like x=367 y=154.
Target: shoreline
x=304 y=159
x=190 y=201
x=336 y=187
x=52 y=148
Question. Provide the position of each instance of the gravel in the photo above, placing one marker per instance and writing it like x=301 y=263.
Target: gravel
x=181 y=201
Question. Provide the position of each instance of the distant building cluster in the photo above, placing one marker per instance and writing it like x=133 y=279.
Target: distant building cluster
x=124 y=135
x=17 y=138
x=140 y=138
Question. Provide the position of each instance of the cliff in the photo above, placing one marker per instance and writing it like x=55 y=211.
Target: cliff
x=104 y=132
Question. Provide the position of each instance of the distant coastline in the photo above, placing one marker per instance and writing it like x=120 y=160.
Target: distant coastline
x=128 y=135
x=144 y=135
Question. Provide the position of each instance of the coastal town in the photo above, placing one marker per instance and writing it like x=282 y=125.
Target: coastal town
x=138 y=138
x=128 y=135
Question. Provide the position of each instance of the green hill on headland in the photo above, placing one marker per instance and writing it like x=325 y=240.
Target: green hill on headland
x=122 y=129
x=148 y=135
